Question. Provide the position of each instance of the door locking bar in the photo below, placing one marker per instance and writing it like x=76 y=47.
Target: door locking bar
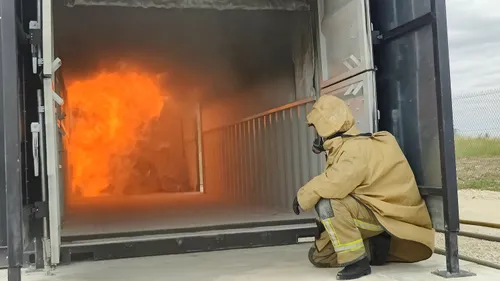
x=35 y=39
x=35 y=130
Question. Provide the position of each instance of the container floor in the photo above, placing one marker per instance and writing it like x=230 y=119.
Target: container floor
x=156 y=212
x=275 y=263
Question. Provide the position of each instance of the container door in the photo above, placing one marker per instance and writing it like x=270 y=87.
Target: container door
x=413 y=77
x=52 y=105
x=347 y=58
x=359 y=94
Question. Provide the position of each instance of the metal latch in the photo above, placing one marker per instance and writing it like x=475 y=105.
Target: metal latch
x=35 y=33
x=35 y=37
x=35 y=130
x=56 y=64
x=41 y=210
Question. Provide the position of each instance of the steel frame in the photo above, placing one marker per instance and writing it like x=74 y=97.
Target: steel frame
x=187 y=242
x=12 y=178
x=11 y=136
x=446 y=136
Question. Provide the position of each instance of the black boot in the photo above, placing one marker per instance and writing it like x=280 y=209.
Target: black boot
x=356 y=270
x=379 y=249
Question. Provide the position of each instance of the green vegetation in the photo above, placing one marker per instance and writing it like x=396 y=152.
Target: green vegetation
x=478 y=163
x=477 y=147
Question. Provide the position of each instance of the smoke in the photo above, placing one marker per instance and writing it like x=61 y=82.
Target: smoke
x=236 y=63
x=216 y=53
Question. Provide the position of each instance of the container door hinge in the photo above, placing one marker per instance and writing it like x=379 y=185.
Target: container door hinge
x=376 y=37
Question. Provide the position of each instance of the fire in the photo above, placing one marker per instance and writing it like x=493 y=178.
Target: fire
x=108 y=114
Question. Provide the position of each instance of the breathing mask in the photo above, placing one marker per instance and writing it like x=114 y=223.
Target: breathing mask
x=319 y=141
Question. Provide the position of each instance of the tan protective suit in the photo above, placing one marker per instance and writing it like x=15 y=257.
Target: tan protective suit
x=371 y=188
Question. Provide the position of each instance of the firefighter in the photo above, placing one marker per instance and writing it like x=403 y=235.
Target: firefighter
x=368 y=207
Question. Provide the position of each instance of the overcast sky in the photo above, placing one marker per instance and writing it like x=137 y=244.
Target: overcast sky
x=474 y=38
x=474 y=42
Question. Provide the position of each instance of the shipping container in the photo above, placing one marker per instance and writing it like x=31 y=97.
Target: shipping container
x=136 y=128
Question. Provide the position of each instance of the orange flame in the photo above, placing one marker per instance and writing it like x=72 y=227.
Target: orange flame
x=109 y=112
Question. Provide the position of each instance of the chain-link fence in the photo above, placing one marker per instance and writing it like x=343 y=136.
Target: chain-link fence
x=477 y=139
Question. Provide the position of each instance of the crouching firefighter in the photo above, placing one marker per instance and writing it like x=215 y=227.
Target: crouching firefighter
x=368 y=207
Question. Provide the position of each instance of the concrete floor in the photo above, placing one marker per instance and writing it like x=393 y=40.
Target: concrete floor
x=275 y=263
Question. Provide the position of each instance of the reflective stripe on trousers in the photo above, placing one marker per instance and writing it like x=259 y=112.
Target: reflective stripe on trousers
x=352 y=222
x=350 y=246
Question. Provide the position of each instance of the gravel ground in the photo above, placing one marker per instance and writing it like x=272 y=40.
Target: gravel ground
x=472 y=194
x=479 y=206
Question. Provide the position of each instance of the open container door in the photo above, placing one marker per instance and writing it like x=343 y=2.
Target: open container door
x=52 y=103
x=413 y=81
x=347 y=58
x=414 y=93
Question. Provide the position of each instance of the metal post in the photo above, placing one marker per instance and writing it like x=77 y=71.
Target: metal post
x=446 y=141
x=199 y=145
x=43 y=178
x=50 y=66
x=3 y=207
x=11 y=135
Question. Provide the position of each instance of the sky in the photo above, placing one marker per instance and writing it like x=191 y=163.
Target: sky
x=474 y=43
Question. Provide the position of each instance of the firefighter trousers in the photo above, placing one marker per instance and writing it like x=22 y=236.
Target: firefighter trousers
x=347 y=227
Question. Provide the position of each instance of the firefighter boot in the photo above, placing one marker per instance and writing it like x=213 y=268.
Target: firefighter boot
x=379 y=249
x=356 y=270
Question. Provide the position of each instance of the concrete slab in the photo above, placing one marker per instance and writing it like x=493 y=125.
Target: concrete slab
x=286 y=263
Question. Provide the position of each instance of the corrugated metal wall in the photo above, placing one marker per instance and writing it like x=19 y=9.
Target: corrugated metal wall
x=263 y=159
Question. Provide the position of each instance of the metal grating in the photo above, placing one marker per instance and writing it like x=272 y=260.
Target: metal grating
x=262 y=160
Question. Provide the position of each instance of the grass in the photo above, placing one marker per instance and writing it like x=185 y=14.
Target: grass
x=477 y=147
x=478 y=163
